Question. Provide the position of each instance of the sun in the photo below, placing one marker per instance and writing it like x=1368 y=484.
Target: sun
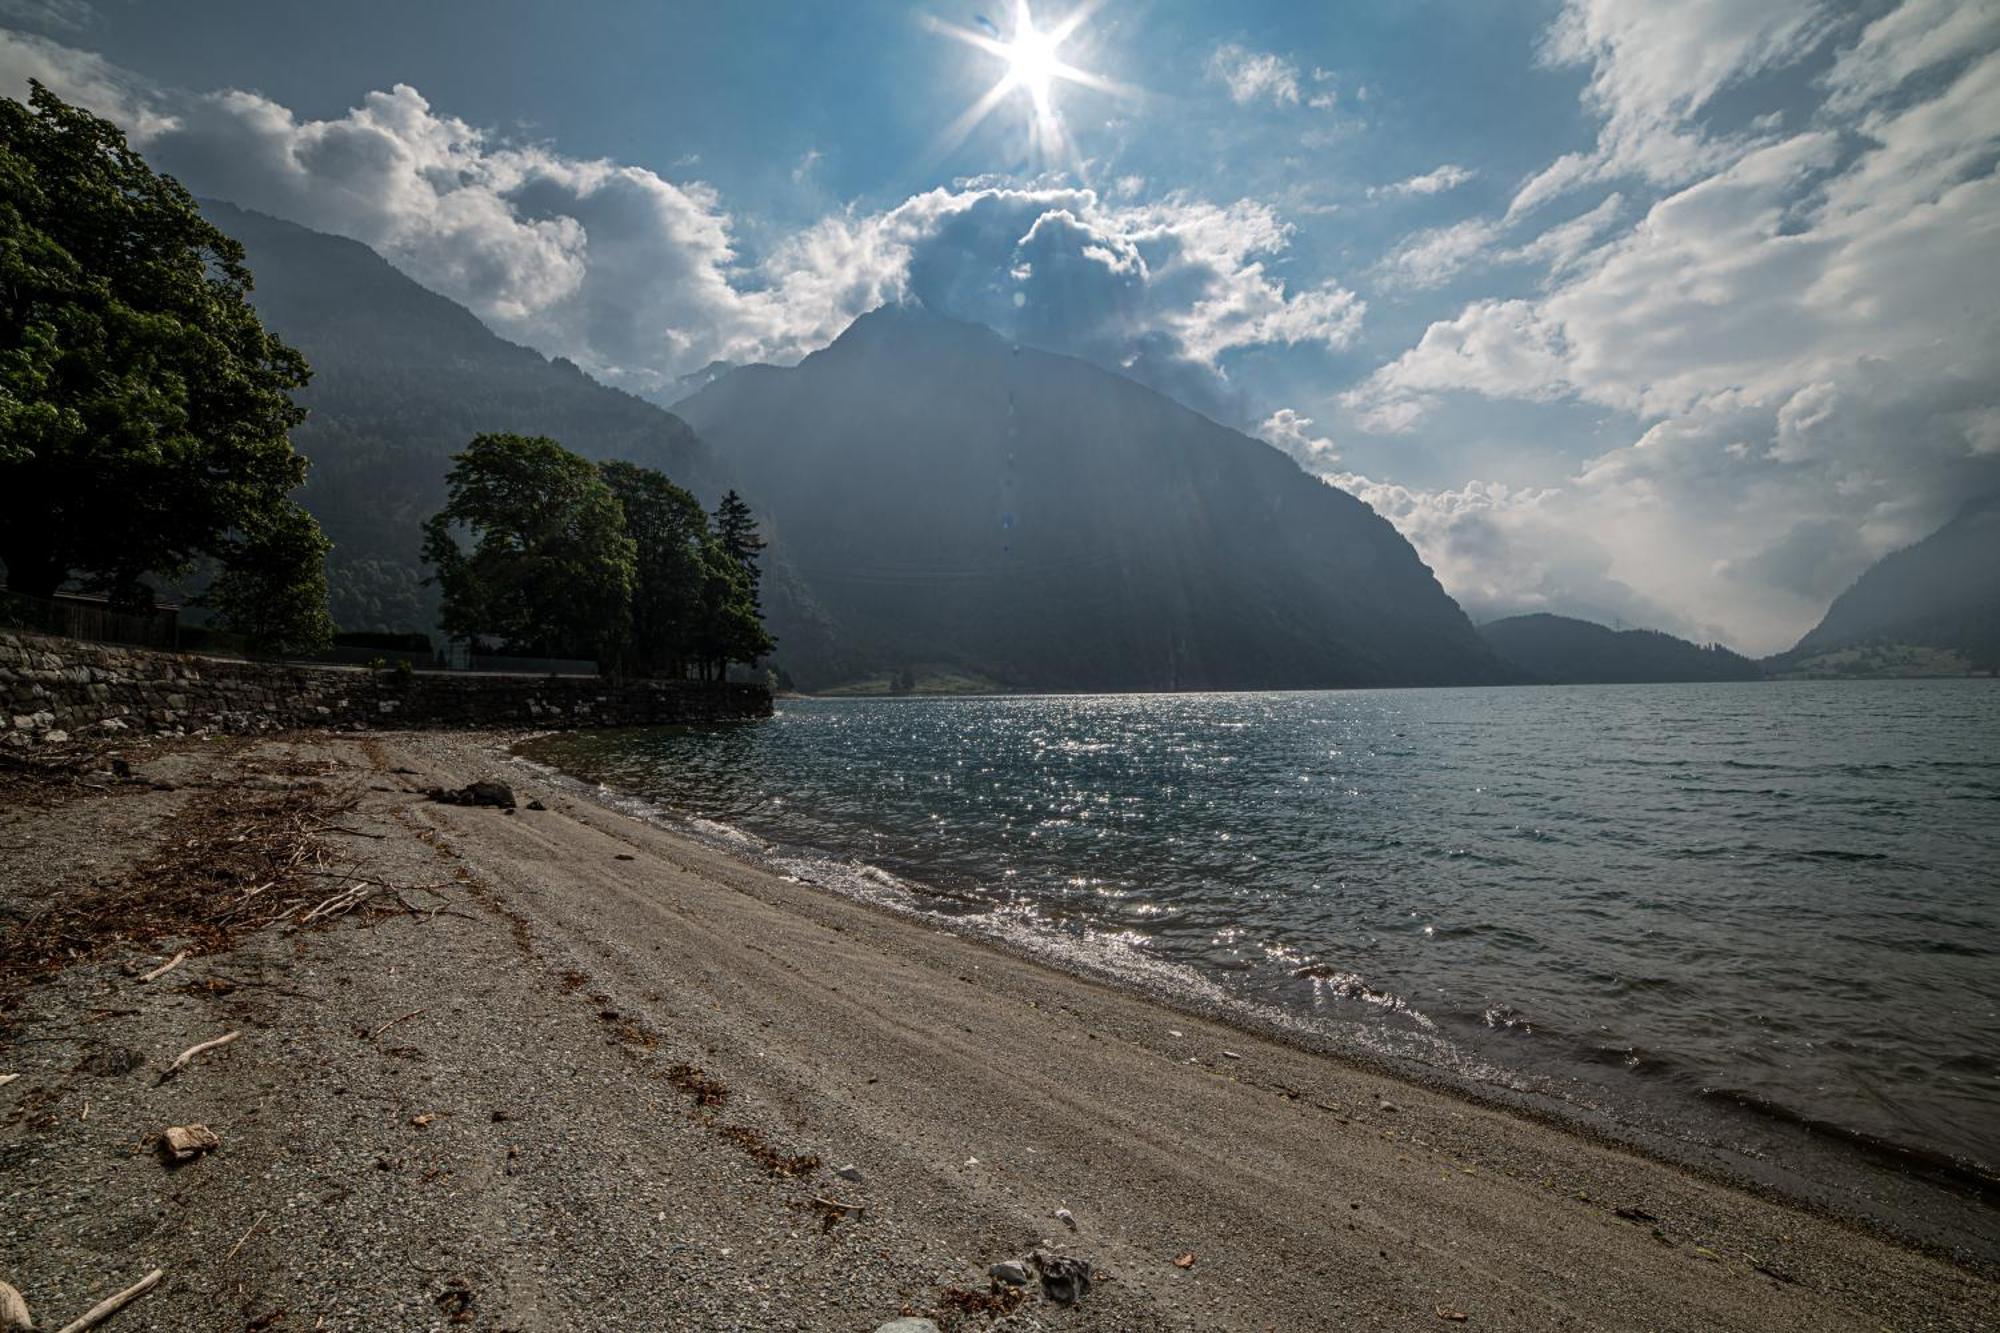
x=1033 y=64
x=1031 y=58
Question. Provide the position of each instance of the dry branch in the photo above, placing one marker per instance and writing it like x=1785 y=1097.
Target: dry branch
x=244 y=1238
x=181 y=1060
x=392 y=1022
x=111 y=1305
x=165 y=967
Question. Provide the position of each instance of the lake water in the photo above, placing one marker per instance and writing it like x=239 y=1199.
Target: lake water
x=1756 y=920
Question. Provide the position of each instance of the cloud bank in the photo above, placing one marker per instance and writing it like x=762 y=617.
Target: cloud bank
x=1805 y=325
x=641 y=279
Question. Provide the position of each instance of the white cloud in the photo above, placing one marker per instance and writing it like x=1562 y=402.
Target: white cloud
x=639 y=278
x=1565 y=244
x=1913 y=37
x=1292 y=431
x=1808 y=331
x=1448 y=176
x=1254 y=76
x=1654 y=69
x=80 y=77
x=1432 y=257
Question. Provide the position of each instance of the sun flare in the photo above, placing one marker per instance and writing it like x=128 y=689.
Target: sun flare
x=1031 y=59
x=1033 y=64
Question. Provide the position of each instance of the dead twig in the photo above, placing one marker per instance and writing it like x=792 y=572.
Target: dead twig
x=244 y=1238
x=181 y=1061
x=392 y=1022
x=111 y=1305
x=165 y=967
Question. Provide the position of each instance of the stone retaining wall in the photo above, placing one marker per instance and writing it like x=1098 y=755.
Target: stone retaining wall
x=51 y=689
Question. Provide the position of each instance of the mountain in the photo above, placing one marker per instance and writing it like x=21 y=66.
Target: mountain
x=402 y=379
x=1932 y=608
x=1558 y=650
x=963 y=504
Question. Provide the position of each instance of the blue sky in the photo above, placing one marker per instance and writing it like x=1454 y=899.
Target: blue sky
x=1666 y=313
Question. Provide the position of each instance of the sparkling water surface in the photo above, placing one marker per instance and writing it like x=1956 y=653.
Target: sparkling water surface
x=1720 y=911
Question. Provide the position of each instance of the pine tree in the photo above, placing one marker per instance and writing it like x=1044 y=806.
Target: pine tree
x=736 y=529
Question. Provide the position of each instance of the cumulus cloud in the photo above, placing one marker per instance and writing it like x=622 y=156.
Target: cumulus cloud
x=1805 y=330
x=1292 y=432
x=1254 y=76
x=639 y=278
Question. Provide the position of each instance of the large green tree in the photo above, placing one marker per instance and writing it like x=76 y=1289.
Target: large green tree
x=551 y=568
x=143 y=407
x=671 y=537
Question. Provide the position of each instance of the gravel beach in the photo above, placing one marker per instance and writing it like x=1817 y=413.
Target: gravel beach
x=559 y=1069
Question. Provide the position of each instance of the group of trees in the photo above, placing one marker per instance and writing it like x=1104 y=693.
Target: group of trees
x=144 y=410
x=145 y=419
x=565 y=557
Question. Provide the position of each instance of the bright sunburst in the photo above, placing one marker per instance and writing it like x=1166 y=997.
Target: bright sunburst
x=1033 y=65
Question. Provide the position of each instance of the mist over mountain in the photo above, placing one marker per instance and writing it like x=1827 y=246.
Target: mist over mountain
x=1943 y=593
x=402 y=379
x=958 y=501
x=1560 y=650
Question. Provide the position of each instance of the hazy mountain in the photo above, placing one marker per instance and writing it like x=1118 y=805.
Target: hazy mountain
x=402 y=379
x=1940 y=595
x=959 y=502
x=1559 y=650
x=696 y=380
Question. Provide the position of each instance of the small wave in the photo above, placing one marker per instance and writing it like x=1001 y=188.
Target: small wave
x=1969 y=1177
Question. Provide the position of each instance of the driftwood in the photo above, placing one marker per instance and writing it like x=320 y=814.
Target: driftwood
x=5 y=1079
x=181 y=1060
x=165 y=967
x=14 y=1317
x=184 y=1143
x=111 y=1305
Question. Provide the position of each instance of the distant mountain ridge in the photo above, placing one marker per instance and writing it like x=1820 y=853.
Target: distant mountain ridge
x=1560 y=650
x=1941 y=594
x=402 y=379
x=959 y=501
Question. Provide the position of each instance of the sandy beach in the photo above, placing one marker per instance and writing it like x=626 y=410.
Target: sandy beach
x=563 y=1069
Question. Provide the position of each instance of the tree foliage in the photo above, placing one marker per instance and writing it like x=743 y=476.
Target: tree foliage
x=736 y=529
x=144 y=410
x=612 y=558
x=551 y=567
x=670 y=532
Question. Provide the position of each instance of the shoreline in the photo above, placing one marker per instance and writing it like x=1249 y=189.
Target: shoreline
x=579 y=1071
x=1969 y=1190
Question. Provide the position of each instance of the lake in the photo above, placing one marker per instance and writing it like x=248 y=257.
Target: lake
x=1754 y=921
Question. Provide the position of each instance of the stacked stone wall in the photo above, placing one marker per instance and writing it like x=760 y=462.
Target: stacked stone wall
x=53 y=689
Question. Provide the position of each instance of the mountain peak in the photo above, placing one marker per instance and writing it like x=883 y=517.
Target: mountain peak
x=900 y=326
